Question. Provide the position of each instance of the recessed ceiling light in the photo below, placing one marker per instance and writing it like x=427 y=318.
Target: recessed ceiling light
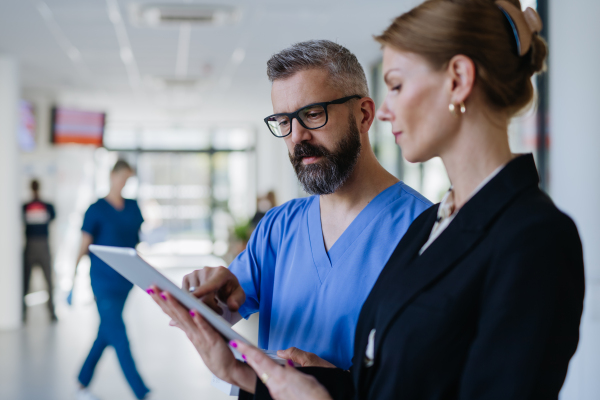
x=148 y=14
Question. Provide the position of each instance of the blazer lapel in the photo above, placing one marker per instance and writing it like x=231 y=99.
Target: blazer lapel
x=415 y=237
x=407 y=274
x=405 y=284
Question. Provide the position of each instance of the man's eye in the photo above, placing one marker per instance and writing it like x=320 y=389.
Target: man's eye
x=314 y=115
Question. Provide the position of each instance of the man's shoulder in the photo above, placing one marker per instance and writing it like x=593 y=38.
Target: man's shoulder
x=290 y=209
x=408 y=193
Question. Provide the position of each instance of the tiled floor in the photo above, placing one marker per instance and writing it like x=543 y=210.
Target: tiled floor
x=42 y=360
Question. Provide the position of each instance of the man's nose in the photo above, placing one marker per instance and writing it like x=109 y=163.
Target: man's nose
x=299 y=133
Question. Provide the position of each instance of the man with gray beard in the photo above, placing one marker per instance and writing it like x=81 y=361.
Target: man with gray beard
x=311 y=262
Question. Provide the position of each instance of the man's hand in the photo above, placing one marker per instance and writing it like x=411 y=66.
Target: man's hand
x=304 y=358
x=211 y=283
x=209 y=343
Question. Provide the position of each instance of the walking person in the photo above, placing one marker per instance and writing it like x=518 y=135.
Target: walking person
x=111 y=221
x=37 y=216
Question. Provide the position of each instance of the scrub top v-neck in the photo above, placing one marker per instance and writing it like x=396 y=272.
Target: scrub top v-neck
x=307 y=297
x=110 y=226
x=325 y=260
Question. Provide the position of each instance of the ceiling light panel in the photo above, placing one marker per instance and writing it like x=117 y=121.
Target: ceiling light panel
x=156 y=15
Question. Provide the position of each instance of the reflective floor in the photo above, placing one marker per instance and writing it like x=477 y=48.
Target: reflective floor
x=42 y=360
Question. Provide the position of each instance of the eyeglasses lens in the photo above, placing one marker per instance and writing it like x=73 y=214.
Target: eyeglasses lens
x=313 y=116
x=279 y=125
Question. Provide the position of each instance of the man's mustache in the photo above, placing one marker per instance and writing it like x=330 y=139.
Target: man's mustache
x=302 y=150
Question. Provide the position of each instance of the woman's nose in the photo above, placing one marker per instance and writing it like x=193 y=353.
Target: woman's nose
x=384 y=113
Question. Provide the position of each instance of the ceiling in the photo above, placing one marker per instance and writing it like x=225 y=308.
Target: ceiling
x=89 y=53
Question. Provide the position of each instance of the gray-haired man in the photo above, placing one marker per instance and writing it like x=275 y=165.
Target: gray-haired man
x=312 y=262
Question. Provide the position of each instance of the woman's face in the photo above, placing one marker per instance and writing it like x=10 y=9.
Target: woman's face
x=119 y=178
x=417 y=105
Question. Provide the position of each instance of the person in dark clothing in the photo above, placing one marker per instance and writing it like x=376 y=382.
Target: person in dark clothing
x=37 y=216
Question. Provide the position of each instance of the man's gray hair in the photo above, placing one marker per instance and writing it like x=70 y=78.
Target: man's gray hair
x=347 y=75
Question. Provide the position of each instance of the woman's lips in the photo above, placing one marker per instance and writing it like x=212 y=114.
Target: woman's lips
x=397 y=133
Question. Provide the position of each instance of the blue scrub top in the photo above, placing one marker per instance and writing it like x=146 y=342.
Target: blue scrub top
x=310 y=298
x=111 y=227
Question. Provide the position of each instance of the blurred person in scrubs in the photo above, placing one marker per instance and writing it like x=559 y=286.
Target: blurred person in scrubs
x=37 y=215
x=311 y=262
x=111 y=221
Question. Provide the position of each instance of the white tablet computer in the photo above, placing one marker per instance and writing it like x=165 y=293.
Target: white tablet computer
x=127 y=262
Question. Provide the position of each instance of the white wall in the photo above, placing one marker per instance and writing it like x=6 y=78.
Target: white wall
x=66 y=175
x=575 y=164
x=10 y=245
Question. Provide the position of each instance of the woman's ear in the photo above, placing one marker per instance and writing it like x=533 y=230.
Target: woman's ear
x=461 y=71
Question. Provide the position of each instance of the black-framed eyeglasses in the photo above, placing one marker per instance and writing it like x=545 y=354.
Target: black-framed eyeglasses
x=312 y=116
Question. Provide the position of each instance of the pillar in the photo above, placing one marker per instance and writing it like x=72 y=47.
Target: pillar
x=575 y=164
x=10 y=213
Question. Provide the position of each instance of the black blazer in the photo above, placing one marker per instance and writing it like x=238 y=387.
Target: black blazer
x=490 y=310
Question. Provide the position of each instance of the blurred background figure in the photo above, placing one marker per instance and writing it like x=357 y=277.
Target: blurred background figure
x=263 y=204
x=243 y=230
x=111 y=221
x=37 y=216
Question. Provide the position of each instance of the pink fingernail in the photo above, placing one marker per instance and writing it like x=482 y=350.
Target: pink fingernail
x=163 y=296
x=192 y=313
x=244 y=357
x=290 y=363
x=233 y=344
x=150 y=291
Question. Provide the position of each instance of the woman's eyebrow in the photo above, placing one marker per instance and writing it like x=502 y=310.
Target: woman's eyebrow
x=385 y=77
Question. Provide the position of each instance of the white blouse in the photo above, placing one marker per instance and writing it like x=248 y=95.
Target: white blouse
x=446 y=212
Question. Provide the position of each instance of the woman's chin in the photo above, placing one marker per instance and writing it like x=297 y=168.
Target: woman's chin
x=414 y=157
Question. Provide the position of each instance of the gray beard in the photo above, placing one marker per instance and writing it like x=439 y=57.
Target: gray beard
x=330 y=173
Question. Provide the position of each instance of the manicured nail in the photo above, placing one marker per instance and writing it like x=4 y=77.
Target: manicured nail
x=233 y=344
x=150 y=291
x=192 y=313
x=290 y=363
x=244 y=358
x=163 y=296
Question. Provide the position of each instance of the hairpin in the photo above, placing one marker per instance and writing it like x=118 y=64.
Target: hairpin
x=524 y=24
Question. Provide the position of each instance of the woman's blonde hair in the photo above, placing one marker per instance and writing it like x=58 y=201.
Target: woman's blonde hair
x=440 y=29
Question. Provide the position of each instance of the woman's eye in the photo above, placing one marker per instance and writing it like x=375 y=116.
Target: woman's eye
x=396 y=88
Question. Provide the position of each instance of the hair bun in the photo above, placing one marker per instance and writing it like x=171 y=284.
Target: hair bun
x=539 y=52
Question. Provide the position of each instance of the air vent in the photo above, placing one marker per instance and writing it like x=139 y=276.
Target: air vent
x=147 y=14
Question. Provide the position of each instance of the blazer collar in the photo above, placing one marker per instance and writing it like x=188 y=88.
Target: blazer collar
x=518 y=175
x=407 y=274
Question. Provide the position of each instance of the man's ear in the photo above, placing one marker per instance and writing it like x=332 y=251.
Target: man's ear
x=367 y=116
x=461 y=73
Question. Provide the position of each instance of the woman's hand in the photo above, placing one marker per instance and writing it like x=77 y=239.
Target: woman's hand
x=209 y=343
x=304 y=358
x=284 y=383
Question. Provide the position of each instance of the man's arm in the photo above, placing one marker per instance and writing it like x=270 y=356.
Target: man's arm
x=51 y=211
x=225 y=290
